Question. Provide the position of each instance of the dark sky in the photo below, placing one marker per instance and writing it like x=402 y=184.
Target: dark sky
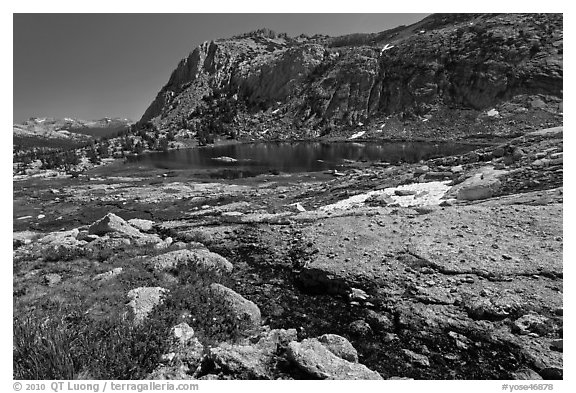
x=93 y=65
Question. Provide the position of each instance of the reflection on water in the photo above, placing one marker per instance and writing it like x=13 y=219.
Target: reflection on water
x=257 y=158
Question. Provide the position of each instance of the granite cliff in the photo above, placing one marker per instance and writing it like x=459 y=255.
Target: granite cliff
x=264 y=84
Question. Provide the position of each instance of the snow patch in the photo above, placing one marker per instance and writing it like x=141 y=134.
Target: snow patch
x=427 y=194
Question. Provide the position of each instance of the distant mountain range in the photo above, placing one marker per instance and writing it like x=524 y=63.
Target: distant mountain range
x=41 y=131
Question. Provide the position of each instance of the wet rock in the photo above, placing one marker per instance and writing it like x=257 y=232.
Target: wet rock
x=360 y=328
x=526 y=374
x=339 y=346
x=107 y=275
x=532 y=323
x=144 y=299
x=416 y=358
x=52 y=279
x=201 y=260
x=312 y=357
x=227 y=302
x=140 y=224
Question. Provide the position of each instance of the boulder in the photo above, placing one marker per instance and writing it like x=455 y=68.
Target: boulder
x=483 y=184
x=225 y=301
x=112 y=223
x=201 y=260
x=315 y=359
x=360 y=328
x=339 y=346
x=140 y=224
x=144 y=299
x=52 y=279
x=107 y=275
x=379 y=321
x=526 y=374
x=252 y=361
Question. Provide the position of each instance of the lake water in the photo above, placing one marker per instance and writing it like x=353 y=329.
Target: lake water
x=244 y=160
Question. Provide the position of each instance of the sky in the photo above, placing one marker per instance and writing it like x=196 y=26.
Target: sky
x=89 y=66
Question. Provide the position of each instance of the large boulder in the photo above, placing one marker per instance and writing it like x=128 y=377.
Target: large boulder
x=245 y=315
x=255 y=361
x=314 y=358
x=144 y=299
x=483 y=184
x=112 y=223
x=201 y=260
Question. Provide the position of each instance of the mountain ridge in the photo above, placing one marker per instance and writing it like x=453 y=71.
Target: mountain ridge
x=316 y=86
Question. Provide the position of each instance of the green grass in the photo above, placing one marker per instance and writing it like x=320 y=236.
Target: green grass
x=82 y=328
x=69 y=345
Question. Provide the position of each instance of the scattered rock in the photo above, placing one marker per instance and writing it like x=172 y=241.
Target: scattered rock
x=379 y=321
x=52 y=279
x=416 y=358
x=532 y=323
x=360 y=327
x=357 y=295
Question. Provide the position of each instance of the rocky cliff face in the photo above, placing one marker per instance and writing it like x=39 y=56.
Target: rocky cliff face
x=320 y=84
